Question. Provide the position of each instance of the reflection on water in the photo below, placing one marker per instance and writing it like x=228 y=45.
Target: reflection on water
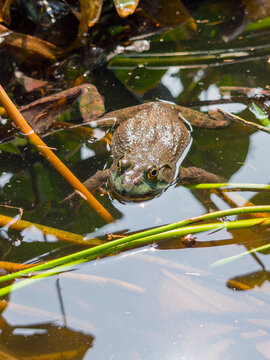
x=173 y=306
x=42 y=340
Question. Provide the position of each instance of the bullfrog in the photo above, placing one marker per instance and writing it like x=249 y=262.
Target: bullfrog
x=148 y=144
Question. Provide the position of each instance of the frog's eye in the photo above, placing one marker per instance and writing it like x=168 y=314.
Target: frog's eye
x=119 y=165
x=152 y=174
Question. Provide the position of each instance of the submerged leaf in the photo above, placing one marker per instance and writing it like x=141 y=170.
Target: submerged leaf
x=6 y=12
x=90 y=13
x=9 y=147
x=125 y=8
x=173 y=14
x=94 y=10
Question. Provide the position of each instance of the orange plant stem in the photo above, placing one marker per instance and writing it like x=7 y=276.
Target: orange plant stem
x=60 y=234
x=13 y=267
x=23 y=125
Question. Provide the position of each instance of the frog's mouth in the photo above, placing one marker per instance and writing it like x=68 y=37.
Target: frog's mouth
x=136 y=189
x=127 y=198
x=133 y=199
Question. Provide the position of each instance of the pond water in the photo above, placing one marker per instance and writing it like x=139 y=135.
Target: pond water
x=165 y=301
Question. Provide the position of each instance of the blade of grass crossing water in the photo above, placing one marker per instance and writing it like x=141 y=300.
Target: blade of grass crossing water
x=149 y=234
x=230 y=259
x=123 y=244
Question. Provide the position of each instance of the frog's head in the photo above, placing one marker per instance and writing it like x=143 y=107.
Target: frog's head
x=137 y=181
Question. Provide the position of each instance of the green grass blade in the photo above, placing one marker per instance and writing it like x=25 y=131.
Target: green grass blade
x=26 y=282
x=230 y=259
x=231 y=186
x=260 y=114
x=124 y=244
x=113 y=245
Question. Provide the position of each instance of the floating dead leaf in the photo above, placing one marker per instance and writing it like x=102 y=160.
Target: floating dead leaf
x=125 y=8
x=27 y=47
x=82 y=101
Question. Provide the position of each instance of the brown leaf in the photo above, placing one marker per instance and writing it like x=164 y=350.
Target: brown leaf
x=27 y=47
x=43 y=113
x=30 y=84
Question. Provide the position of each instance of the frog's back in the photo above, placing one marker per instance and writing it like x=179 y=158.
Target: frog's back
x=153 y=131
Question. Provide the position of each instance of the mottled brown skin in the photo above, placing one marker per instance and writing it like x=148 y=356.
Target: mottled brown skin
x=147 y=145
